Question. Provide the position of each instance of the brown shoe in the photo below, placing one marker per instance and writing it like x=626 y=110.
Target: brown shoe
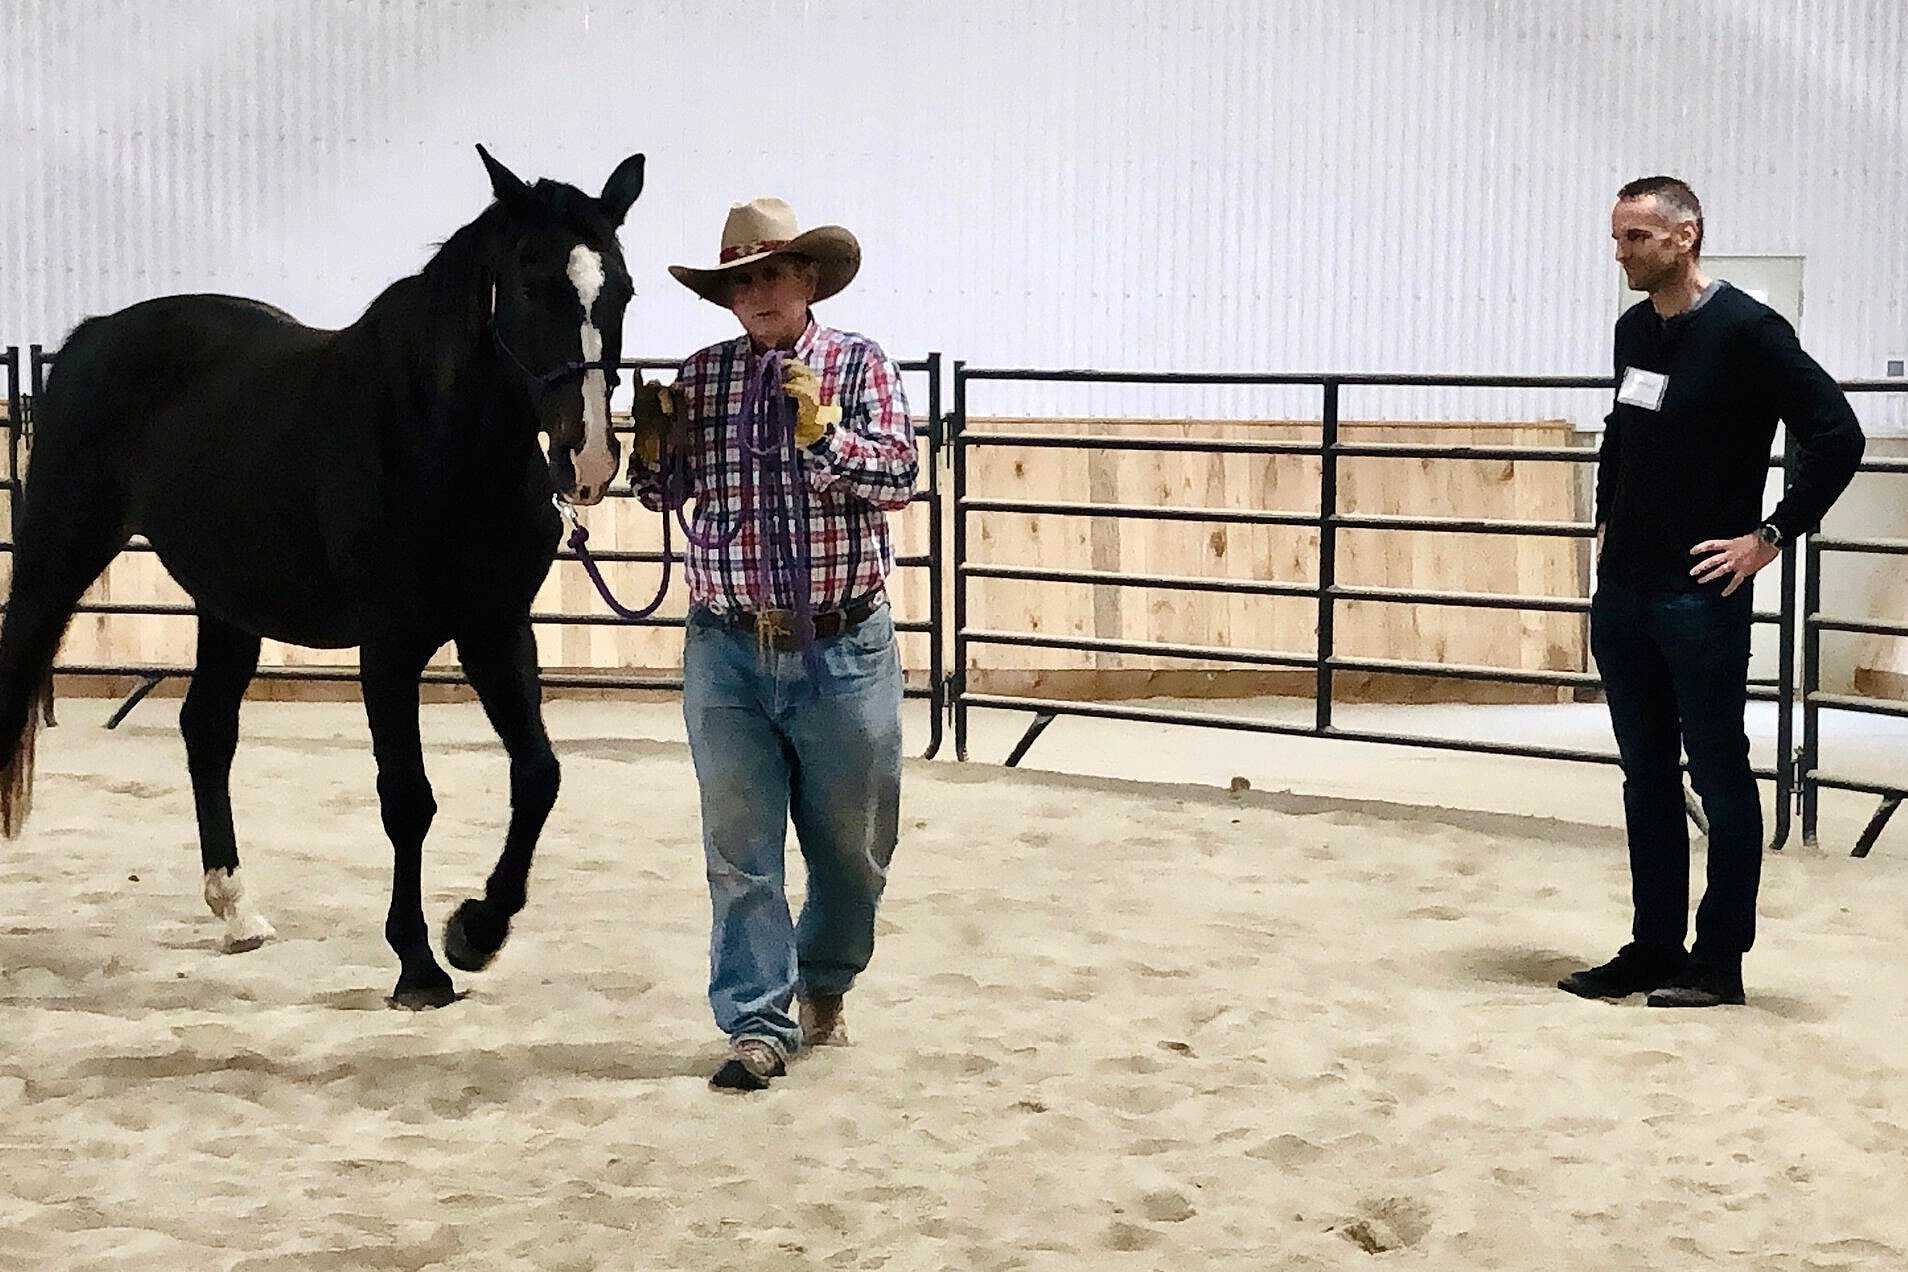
x=751 y=1063
x=822 y=1023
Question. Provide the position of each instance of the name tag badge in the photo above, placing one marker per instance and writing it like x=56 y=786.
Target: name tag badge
x=1643 y=388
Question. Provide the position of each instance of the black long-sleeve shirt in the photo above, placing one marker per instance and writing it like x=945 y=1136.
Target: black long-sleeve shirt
x=1693 y=467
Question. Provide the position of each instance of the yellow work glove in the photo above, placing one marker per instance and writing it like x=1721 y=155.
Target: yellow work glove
x=812 y=419
x=650 y=417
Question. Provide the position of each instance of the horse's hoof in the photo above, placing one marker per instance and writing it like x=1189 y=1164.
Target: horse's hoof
x=246 y=935
x=245 y=928
x=472 y=936
x=426 y=998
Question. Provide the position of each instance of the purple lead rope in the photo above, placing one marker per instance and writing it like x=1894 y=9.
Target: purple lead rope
x=773 y=492
x=579 y=540
x=780 y=569
x=675 y=473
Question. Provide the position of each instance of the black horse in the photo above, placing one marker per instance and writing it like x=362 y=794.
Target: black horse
x=380 y=486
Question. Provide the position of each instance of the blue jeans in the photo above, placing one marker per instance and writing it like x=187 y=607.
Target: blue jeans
x=1675 y=670
x=771 y=743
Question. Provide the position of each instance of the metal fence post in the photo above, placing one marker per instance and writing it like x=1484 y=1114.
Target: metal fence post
x=956 y=441
x=16 y=420
x=1327 y=552
x=1785 y=777
x=937 y=575
x=1811 y=685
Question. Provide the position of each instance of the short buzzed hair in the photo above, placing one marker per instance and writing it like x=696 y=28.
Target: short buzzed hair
x=1675 y=195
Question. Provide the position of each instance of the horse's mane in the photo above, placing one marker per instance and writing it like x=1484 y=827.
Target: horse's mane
x=441 y=311
x=452 y=302
x=456 y=276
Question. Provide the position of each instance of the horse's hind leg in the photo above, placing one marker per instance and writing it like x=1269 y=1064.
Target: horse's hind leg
x=503 y=670
x=209 y=719
x=389 y=673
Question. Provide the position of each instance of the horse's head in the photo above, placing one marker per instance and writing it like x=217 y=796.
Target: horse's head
x=559 y=289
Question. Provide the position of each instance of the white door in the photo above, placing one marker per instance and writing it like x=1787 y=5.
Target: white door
x=1776 y=281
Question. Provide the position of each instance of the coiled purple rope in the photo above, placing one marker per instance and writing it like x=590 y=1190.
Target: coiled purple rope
x=773 y=493
x=780 y=571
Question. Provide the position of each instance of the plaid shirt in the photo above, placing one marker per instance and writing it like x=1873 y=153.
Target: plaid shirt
x=864 y=468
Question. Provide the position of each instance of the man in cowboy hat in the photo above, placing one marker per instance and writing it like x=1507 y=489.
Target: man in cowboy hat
x=784 y=725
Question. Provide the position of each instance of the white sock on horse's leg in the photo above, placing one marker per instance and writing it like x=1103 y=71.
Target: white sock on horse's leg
x=245 y=927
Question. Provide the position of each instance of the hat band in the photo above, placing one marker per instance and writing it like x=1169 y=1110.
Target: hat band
x=739 y=250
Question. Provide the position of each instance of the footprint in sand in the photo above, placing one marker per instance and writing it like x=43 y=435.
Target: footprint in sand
x=123 y=786
x=1860 y=1252
x=1129 y=1237
x=1386 y=1223
x=1136 y=1099
x=1160 y=973
x=1442 y=913
x=957 y=1064
x=1142 y=1065
x=1286 y=1150
x=1166 y=1206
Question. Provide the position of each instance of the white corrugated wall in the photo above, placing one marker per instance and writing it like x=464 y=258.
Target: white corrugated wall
x=1401 y=185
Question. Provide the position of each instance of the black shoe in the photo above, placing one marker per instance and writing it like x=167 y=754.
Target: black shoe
x=751 y=1063
x=1635 y=970
x=1702 y=984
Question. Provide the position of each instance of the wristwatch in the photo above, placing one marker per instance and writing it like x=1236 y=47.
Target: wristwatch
x=1769 y=534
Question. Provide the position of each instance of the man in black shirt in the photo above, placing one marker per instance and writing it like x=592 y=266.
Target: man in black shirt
x=1703 y=373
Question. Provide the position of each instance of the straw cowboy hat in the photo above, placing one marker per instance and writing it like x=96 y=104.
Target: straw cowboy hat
x=762 y=228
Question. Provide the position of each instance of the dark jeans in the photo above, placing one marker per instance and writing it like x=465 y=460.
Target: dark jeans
x=1675 y=670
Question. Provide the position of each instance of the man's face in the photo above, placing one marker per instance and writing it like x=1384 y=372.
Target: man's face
x=1650 y=244
x=771 y=299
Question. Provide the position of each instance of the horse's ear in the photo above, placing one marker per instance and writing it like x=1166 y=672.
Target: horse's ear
x=621 y=189
x=505 y=184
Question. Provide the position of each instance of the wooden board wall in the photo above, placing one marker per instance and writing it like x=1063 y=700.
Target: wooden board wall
x=620 y=523
x=1441 y=487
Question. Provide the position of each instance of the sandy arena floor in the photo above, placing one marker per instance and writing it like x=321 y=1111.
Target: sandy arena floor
x=1111 y=1024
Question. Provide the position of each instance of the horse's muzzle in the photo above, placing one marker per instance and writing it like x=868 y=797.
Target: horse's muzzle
x=586 y=487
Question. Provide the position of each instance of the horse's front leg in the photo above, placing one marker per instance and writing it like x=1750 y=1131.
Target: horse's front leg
x=389 y=675
x=209 y=721
x=502 y=668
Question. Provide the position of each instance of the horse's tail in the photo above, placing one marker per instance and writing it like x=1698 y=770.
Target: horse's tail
x=20 y=702
x=71 y=524
x=36 y=619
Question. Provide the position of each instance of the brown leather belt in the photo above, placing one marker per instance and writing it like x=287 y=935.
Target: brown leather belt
x=776 y=628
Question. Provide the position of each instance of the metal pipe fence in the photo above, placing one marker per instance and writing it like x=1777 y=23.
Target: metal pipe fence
x=1792 y=772
x=151 y=675
x=1820 y=551
x=949 y=442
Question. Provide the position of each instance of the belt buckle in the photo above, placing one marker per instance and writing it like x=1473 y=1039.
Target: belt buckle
x=769 y=628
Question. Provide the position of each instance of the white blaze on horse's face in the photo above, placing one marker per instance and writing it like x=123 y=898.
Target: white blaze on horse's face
x=595 y=462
